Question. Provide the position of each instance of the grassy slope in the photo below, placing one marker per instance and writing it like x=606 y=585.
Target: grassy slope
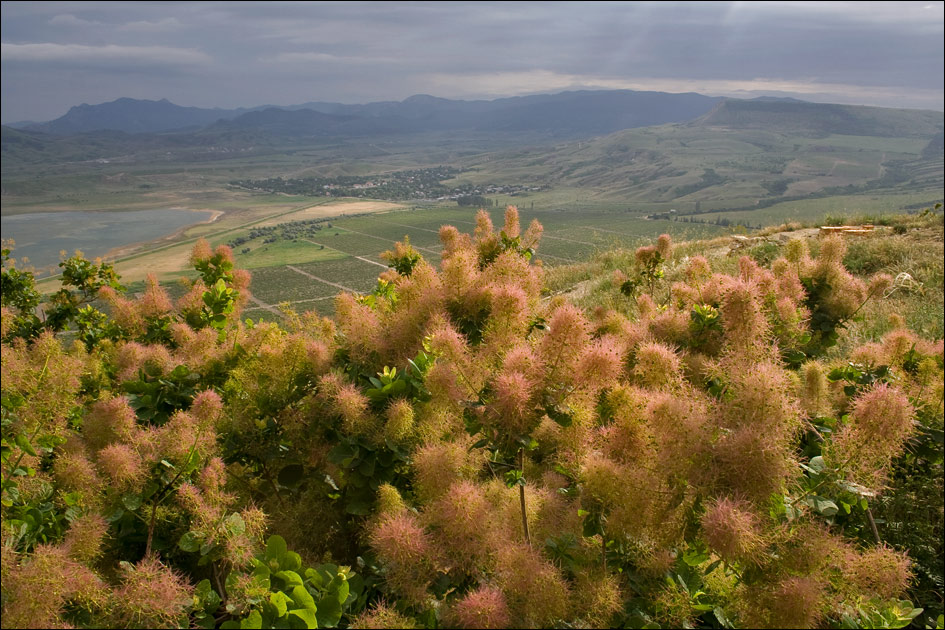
x=679 y=166
x=919 y=252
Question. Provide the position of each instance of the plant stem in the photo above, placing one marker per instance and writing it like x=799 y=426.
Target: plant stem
x=603 y=550
x=147 y=548
x=869 y=517
x=521 y=495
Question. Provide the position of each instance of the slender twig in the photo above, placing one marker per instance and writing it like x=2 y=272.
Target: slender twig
x=147 y=548
x=869 y=517
x=521 y=495
x=221 y=587
x=603 y=549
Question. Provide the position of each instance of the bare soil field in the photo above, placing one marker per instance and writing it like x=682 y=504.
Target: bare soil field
x=333 y=210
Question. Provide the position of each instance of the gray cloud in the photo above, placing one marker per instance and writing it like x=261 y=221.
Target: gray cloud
x=134 y=56
x=242 y=53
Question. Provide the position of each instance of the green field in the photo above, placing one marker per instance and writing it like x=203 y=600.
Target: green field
x=816 y=210
x=306 y=276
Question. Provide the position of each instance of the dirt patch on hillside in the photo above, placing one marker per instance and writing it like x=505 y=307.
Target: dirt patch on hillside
x=168 y=261
x=333 y=210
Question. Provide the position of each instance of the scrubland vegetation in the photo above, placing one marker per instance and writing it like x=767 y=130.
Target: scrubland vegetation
x=664 y=437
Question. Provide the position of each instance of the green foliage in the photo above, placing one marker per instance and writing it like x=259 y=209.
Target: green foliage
x=880 y=614
x=859 y=377
x=43 y=519
x=81 y=280
x=384 y=293
x=18 y=292
x=219 y=302
x=156 y=397
x=648 y=270
x=364 y=467
x=87 y=278
x=824 y=325
x=403 y=258
x=765 y=253
x=390 y=383
x=705 y=324
x=285 y=595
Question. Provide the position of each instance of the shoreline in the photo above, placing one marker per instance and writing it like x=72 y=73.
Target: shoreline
x=131 y=248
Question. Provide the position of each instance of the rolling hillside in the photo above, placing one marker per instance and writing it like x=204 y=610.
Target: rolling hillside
x=742 y=154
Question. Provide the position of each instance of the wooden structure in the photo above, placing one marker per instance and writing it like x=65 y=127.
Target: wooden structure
x=847 y=230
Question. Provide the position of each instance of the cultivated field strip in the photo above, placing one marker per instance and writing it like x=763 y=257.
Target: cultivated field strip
x=322 y=280
x=351 y=248
x=367 y=260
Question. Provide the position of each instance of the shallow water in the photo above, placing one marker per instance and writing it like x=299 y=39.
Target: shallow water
x=41 y=236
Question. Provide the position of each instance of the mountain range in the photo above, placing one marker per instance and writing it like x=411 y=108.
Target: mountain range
x=580 y=112
x=128 y=126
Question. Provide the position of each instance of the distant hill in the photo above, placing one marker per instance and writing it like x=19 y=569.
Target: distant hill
x=20 y=124
x=579 y=113
x=935 y=149
x=741 y=154
x=132 y=116
x=280 y=122
x=23 y=146
x=568 y=114
x=795 y=117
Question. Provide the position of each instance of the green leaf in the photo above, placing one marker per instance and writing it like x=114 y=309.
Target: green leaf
x=190 y=543
x=276 y=548
x=694 y=556
x=343 y=589
x=291 y=561
x=290 y=578
x=23 y=442
x=303 y=598
x=306 y=616
x=358 y=507
x=202 y=589
x=291 y=475
x=131 y=501
x=562 y=418
x=329 y=611
x=824 y=507
x=721 y=618
x=253 y=621
x=817 y=464
x=479 y=444
x=261 y=570
x=235 y=524
x=367 y=466
x=280 y=601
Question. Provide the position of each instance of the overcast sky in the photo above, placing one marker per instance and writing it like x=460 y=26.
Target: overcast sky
x=231 y=54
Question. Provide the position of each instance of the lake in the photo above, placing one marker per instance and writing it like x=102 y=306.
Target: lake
x=41 y=236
